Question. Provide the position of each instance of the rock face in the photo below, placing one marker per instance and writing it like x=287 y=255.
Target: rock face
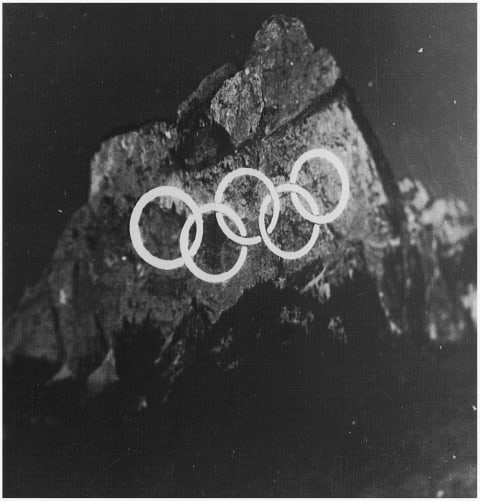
x=98 y=293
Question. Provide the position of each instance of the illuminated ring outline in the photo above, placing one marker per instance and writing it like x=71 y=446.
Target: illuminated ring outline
x=136 y=237
x=316 y=229
x=247 y=171
x=338 y=164
x=187 y=255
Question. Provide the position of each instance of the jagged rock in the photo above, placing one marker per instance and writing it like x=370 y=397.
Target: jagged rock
x=286 y=100
x=238 y=106
x=443 y=232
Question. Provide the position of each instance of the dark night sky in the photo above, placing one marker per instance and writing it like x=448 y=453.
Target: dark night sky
x=74 y=73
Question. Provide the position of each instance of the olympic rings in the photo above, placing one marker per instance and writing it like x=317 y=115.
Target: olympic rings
x=316 y=229
x=246 y=171
x=337 y=163
x=187 y=254
x=208 y=277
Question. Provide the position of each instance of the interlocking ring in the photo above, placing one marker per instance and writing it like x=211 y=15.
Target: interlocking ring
x=136 y=237
x=316 y=229
x=338 y=164
x=187 y=254
x=247 y=171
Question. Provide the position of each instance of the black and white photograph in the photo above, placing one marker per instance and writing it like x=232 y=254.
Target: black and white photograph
x=239 y=250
